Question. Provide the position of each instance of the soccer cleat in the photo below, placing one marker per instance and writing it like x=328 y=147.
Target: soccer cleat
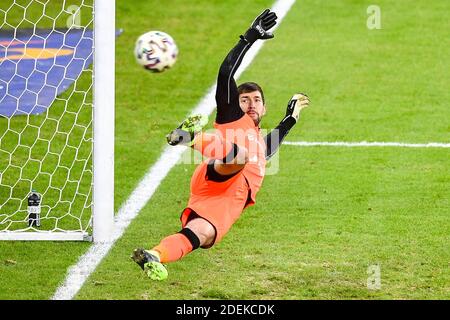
x=187 y=130
x=150 y=264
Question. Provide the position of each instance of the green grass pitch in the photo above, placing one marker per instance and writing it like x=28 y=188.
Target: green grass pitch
x=330 y=213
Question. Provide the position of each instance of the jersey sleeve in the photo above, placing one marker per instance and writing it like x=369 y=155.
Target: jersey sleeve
x=227 y=96
x=274 y=139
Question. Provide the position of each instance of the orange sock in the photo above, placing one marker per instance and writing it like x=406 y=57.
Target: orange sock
x=173 y=248
x=212 y=145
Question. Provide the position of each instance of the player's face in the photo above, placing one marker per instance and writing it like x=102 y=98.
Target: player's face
x=252 y=104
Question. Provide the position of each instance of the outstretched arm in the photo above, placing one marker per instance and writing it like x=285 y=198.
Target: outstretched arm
x=227 y=96
x=276 y=136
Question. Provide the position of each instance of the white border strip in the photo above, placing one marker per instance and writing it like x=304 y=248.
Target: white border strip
x=368 y=144
x=87 y=263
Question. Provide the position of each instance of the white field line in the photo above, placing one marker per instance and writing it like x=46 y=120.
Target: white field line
x=368 y=144
x=78 y=273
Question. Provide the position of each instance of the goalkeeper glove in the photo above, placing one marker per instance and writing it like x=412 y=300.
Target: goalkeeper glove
x=297 y=103
x=260 y=26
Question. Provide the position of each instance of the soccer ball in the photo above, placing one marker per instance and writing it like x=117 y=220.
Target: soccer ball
x=156 y=51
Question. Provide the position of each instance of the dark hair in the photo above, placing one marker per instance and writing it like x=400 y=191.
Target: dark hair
x=247 y=87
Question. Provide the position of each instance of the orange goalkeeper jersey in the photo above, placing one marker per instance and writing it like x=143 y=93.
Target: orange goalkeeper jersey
x=244 y=133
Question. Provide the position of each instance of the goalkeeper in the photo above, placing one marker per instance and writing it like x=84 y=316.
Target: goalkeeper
x=224 y=185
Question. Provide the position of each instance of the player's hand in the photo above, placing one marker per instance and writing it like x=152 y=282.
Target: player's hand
x=259 y=29
x=298 y=102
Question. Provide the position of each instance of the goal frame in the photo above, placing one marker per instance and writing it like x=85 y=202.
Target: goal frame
x=103 y=137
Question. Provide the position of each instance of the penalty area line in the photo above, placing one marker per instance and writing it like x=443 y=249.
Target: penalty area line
x=87 y=263
x=368 y=144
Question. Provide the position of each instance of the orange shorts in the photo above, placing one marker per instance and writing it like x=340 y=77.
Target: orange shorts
x=220 y=203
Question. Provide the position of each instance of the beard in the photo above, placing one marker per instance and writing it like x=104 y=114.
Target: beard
x=255 y=117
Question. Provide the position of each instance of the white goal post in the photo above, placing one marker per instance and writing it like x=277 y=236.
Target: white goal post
x=57 y=78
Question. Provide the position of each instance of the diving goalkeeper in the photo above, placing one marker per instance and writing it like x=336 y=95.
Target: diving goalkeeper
x=224 y=185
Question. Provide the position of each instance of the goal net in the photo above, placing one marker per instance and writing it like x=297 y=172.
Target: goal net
x=50 y=138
